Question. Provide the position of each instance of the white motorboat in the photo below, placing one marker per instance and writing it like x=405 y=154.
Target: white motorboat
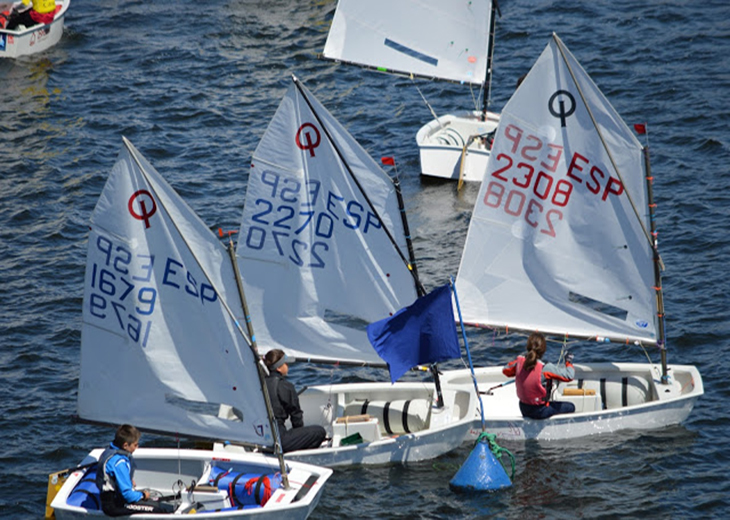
x=36 y=38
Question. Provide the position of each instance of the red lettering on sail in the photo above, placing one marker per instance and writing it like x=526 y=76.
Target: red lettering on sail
x=527 y=181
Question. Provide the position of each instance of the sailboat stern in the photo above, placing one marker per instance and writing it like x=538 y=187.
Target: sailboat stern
x=457 y=146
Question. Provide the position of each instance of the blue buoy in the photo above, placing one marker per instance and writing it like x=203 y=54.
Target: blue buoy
x=481 y=471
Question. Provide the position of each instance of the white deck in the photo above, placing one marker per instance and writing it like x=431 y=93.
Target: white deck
x=627 y=396
x=441 y=146
x=404 y=426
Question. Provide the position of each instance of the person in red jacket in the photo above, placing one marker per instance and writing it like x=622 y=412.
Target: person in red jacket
x=533 y=379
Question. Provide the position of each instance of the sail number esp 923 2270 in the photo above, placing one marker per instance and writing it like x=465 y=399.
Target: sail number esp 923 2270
x=296 y=220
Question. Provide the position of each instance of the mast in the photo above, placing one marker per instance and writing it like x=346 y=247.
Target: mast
x=661 y=339
x=262 y=378
x=419 y=287
x=490 y=56
x=407 y=232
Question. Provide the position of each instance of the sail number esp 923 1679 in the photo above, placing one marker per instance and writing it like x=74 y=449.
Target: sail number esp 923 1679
x=122 y=287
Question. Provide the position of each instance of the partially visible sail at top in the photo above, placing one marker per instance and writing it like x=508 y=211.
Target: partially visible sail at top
x=431 y=38
x=160 y=345
x=558 y=239
x=315 y=257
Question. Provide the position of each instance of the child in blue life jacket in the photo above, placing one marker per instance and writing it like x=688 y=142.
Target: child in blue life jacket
x=533 y=377
x=115 y=478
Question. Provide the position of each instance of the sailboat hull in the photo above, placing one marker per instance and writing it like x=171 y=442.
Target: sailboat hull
x=35 y=39
x=616 y=396
x=453 y=143
x=161 y=469
x=397 y=423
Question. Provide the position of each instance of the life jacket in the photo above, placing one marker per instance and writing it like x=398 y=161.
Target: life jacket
x=42 y=6
x=529 y=383
x=104 y=481
x=43 y=11
x=86 y=492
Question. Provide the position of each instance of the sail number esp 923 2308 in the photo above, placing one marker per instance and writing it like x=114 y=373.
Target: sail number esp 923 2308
x=530 y=178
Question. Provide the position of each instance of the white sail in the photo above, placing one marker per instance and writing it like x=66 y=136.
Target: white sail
x=558 y=240
x=160 y=348
x=316 y=261
x=432 y=38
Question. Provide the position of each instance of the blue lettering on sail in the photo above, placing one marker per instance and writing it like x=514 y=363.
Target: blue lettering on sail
x=297 y=220
x=121 y=288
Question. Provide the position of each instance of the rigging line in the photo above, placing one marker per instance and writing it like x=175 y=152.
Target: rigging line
x=179 y=458
x=357 y=182
x=475 y=99
x=200 y=265
x=603 y=141
x=433 y=113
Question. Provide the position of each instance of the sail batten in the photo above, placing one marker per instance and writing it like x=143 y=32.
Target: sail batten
x=556 y=243
x=426 y=38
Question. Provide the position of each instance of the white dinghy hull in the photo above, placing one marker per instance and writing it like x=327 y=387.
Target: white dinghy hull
x=35 y=39
x=397 y=423
x=456 y=146
x=162 y=468
x=620 y=396
x=404 y=424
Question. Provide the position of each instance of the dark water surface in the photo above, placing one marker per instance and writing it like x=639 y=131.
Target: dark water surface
x=193 y=86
